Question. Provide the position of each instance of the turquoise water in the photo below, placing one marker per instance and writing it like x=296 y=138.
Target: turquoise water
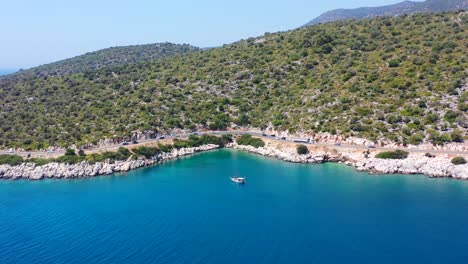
x=188 y=211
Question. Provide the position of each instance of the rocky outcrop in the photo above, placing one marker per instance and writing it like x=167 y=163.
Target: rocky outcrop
x=84 y=169
x=415 y=164
x=433 y=167
x=289 y=155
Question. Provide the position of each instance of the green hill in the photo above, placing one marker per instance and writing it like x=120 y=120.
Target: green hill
x=396 y=78
x=110 y=57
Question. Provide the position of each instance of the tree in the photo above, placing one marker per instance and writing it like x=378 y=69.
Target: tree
x=302 y=149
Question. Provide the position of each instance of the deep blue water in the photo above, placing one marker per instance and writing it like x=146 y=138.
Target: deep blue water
x=187 y=211
x=6 y=71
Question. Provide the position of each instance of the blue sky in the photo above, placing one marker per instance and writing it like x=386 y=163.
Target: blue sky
x=37 y=32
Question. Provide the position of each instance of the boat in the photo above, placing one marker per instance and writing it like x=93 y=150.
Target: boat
x=238 y=180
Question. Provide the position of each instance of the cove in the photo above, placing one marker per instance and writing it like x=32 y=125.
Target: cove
x=188 y=211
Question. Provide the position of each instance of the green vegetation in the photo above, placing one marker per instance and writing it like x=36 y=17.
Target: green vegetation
x=196 y=141
x=397 y=154
x=339 y=78
x=458 y=161
x=122 y=153
x=12 y=160
x=114 y=56
x=302 y=149
x=248 y=140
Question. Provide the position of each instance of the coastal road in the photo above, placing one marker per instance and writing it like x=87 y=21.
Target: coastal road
x=253 y=133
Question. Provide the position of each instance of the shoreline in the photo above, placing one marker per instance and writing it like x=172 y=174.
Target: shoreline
x=29 y=171
x=415 y=164
x=437 y=167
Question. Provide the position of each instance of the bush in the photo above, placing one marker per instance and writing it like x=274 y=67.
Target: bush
x=397 y=154
x=70 y=159
x=393 y=63
x=123 y=153
x=147 y=152
x=248 y=140
x=70 y=152
x=12 y=160
x=302 y=149
x=457 y=136
x=40 y=161
x=458 y=161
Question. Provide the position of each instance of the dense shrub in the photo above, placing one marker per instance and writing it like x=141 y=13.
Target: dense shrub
x=302 y=149
x=70 y=159
x=457 y=136
x=147 y=152
x=12 y=160
x=40 y=161
x=196 y=141
x=69 y=152
x=397 y=154
x=393 y=63
x=458 y=161
x=248 y=140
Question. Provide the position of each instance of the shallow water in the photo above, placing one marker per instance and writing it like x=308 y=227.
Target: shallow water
x=188 y=211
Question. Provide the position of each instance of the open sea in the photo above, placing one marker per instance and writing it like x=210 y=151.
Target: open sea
x=188 y=211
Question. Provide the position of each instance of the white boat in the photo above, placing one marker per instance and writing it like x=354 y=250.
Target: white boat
x=238 y=180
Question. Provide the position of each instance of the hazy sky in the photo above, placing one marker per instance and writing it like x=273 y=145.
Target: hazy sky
x=35 y=32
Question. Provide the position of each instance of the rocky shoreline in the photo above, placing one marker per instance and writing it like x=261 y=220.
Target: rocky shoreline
x=84 y=169
x=414 y=164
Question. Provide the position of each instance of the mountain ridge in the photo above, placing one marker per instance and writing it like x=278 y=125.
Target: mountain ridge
x=405 y=7
x=112 y=56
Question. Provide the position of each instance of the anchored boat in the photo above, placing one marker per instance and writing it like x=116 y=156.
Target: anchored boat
x=238 y=180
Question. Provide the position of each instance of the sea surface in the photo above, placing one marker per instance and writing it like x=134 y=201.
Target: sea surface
x=7 y=71
x=188 y=211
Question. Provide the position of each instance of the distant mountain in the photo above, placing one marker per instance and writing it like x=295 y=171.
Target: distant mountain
x=406 y=7
x=114 y=56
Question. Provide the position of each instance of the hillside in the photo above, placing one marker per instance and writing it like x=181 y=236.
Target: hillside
x=110 y=57
x=406 y=7
x=400 y=78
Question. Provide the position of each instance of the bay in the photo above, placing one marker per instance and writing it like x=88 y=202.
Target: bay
x=188 y=211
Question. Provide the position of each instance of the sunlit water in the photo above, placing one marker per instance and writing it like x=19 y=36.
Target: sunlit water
x=188 y=211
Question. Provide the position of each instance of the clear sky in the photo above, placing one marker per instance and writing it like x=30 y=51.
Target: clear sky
x=35 y=32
